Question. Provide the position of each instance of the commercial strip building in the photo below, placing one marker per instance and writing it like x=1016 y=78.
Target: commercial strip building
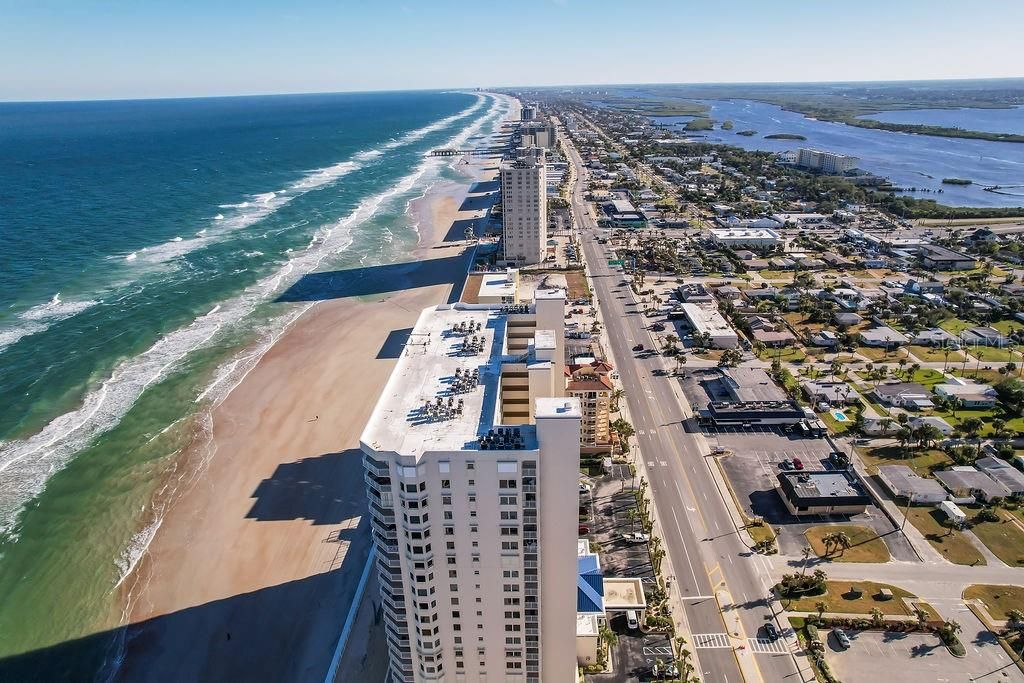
x=825 y=162
x=707 y=320
x=524 y=208
x=752 y=238
x=940 y=258
x=822 y=493
x=472 y=463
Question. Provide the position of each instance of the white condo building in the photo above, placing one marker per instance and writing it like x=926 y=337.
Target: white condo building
x=826 y=162
x=524 y=207
x=472 y=465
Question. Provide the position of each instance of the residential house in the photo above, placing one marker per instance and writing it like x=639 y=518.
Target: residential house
x=1004 y=473
x=845 y=319
x=769 y=333
x=825 y=338
x=904 y=482
x=970 y=394
x=833 y=394
x=934 y=421
x=907 y=395
x=983 y=336
x=937 y=337
x=968 y=483
x=883 y=336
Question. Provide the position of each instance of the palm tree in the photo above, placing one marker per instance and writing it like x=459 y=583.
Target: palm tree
x=843 y=541
x=821 y=607
x=606 y=635
x=617 y=395
x=877 y=617
x=827 y=540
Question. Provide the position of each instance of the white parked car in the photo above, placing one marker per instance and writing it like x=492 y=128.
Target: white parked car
x=636 y=537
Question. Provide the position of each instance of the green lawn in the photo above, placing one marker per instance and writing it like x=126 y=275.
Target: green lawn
x=990 y=354
x=837 y=427
x=837 y=598
x=924 y=376
x=788 y=354
x=998 y=600
x=1008 y=327
x=864 y=395
x=952 y=544
x=865 y=546
x=1015 y=424
x=982 y=375
x=928 y=354
x=878 y=354
x=955 y=326
x=1004 y=538
x=924 y=461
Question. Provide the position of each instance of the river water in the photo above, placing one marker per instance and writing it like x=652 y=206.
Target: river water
x=910 y=161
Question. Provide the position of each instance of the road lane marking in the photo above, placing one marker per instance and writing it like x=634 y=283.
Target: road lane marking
x=686 y=554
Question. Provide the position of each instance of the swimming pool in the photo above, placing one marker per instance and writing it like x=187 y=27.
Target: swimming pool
x=839 y=416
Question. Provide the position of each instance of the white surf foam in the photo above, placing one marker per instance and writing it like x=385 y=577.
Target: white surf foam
x=39 y=318
x=25 y=465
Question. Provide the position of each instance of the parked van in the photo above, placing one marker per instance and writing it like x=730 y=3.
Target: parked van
x=632 y=623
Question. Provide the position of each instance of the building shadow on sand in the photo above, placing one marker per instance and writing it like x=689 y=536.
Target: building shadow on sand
x=377 y=280
x=308 y=489
x=282 y=632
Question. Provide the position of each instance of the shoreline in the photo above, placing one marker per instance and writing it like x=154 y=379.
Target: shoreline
x=256 y=554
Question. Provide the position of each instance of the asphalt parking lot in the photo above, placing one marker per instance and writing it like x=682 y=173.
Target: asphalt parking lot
x=634 y=654
x=753 y=468
x=612 y=499
x=918 y=658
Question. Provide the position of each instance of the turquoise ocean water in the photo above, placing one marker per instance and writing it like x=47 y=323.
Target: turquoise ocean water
x=143 y=244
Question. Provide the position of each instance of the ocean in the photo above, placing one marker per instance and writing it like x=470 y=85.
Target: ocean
x=144 y=244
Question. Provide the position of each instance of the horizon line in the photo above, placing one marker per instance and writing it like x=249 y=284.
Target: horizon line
x=471 y=89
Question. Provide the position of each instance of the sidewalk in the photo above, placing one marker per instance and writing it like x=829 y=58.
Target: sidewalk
x=366 y=656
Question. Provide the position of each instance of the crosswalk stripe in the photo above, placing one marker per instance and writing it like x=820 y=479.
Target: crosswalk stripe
x=765 y=646
x=711 y=640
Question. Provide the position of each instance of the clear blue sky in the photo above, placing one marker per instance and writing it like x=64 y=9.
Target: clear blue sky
x=73 y=49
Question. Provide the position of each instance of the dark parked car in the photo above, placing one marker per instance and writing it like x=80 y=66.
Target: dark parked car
x=771 y=631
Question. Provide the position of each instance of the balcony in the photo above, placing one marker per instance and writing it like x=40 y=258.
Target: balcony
x=379 y=469
x=385 y=517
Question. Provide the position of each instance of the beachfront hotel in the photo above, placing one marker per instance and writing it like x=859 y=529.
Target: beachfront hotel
x=472 y=467
x=524 y=207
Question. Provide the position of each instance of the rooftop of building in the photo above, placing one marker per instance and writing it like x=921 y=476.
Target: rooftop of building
x=744 y=233
x=751 y=384
x=822 y=486
x=443 y=394
x=499 y=284
x=707 y=319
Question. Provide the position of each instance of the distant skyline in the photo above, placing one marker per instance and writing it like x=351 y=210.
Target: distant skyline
x=91 y=49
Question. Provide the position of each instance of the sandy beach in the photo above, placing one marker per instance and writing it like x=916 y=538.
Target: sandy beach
x=253 y=569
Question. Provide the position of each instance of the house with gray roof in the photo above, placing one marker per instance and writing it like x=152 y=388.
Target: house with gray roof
x=883 y=336
x=967 y=482
x=1004 y=473
x=904 y=482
